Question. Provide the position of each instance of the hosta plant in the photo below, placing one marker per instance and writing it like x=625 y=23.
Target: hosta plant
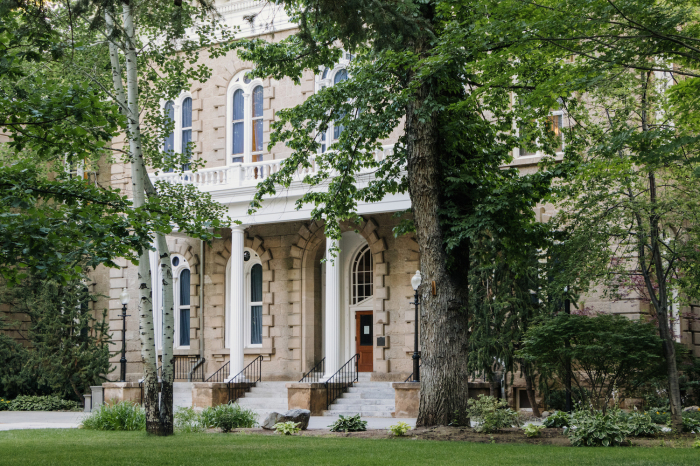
x=287 y=428
x=533 y=430
x=558 y=419
x=349 y=424
x=641 y=425
x=596 y=429
x=400 y=428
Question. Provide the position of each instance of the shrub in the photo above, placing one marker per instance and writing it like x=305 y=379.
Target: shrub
x=119 y=416
x=596 y=429
x=4 y=404
x=660 y=415
x=696 y=444
x=558 y=419
x=42 y=403
x=287 y=428
x=228 y=417
x=533 y=430
x=349 y=424
x=611 y=353
x=642 y=425
x=691 y=424
x=188 y=420
x=400 y=428
x=491 y=414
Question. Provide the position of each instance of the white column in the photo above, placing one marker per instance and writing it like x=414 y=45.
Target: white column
x=332 y=311
x=236 y=322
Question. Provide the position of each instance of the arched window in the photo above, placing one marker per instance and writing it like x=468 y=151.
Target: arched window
x=169 y=142
x=178 y=139
x=362 y=276
x=329 y=77
x=245 y=115
x=257 y=104
x=181 y=301
x=182 y=313
x=340 y=76
x=253 y=300
x=186 y=128
x=255 y=304
x=238 y=126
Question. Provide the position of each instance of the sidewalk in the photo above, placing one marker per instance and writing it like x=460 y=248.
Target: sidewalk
x=12 y=420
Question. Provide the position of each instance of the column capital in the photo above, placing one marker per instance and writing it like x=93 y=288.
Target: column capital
x=236 y=227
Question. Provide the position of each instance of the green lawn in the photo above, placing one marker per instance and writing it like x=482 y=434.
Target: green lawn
x=72 y=446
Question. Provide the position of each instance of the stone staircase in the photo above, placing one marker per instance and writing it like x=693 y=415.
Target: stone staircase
x=265 y=398
x=370 y=399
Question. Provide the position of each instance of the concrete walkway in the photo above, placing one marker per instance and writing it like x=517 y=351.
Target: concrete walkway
x=12 y=420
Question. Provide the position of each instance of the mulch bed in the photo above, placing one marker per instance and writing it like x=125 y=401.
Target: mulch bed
x=463 y=434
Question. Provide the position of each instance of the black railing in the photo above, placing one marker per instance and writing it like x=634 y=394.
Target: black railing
x=410 y=377
x=316 y=372
x=248 y=377
x=196 y=373
x=338 y=383
x=220 y=375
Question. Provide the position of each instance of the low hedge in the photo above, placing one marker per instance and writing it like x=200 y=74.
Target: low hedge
x=40 y=403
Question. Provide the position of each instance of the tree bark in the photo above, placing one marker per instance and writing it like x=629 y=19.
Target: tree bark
x=444 y=317
x=167 y=378
x=530 y=391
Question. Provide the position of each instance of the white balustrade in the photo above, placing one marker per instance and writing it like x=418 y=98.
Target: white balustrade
x=249 y=174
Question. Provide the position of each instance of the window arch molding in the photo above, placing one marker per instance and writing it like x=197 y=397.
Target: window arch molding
x=251 y=341
x=239 y=83
x=177 y=135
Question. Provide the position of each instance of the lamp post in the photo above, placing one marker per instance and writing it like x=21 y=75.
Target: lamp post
x=124 y=298
x=415 y=283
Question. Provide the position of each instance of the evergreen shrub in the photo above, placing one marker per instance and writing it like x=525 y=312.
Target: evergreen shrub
x=42 y=403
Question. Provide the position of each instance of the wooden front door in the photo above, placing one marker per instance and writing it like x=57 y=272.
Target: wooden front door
x=364 y=340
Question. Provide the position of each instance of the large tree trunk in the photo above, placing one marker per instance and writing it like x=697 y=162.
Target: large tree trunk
x=444 y=319
x=527 y=372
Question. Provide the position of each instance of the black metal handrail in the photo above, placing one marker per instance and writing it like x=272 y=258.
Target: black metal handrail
x=220 y=375
x=196 y=373
x=316 y=372
x=245 y=379
x=410 y=377
x=339 y=382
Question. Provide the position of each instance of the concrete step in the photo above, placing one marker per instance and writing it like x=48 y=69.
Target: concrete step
x=336 y=412
x=368 y=394
x=364 y=401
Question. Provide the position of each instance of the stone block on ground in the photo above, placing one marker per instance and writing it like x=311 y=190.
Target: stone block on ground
x=295 y=415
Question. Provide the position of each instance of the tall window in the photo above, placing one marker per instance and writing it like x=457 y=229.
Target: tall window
x=181 y=301
x=178 y=139
x=340 y=76
x=245 y=116
x=238 y=126
x=534 y=146
x=169 y=142
x=257 y=104
x=362 y=276
x=255 y=304
x=183 y=309
x=253 y=300
x=186 y=128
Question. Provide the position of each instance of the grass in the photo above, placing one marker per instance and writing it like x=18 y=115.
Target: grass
x=75 y=447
